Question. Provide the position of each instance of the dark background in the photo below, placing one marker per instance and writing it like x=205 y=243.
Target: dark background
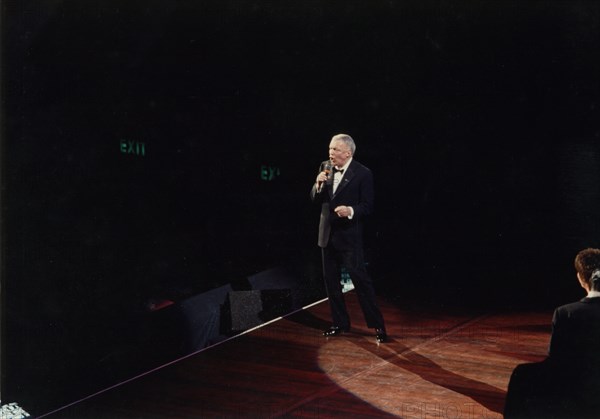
x=478 y=119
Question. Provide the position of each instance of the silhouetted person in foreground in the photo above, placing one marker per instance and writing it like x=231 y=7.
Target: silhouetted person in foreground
x=567 y=383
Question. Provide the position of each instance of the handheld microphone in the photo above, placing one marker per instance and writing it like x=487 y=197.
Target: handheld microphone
x=326 y=167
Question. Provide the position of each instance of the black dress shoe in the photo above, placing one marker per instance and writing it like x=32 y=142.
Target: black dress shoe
x=334 y=331
x=381 y=335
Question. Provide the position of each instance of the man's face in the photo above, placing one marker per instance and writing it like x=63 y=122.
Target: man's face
x=339 y=153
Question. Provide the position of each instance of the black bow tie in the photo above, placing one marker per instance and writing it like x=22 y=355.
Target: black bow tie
x=338 y=170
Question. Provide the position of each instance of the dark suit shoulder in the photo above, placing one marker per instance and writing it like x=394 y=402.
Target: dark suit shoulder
x=359 y=168
x=588 y=307
x=592 y=303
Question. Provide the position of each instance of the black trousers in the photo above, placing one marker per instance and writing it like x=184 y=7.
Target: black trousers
x=353 y=262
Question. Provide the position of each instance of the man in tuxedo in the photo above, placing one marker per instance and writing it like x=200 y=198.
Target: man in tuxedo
x=344 y=189
x=565 y=384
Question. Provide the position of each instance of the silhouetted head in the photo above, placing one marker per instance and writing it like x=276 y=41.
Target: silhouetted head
x=587 y=265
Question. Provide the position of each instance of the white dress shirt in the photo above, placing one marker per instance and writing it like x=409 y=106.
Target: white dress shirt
x=337 y=179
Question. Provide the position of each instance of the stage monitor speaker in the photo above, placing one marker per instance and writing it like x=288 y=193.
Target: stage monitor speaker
x=255 y=307
x=246 y=307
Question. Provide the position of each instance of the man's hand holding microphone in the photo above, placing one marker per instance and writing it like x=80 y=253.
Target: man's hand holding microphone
x=323 y=176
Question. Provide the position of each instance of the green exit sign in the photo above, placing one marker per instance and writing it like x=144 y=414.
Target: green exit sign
x=269 y=173
x=135 y=148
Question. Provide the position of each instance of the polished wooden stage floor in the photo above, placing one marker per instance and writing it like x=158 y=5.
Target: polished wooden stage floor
x=439 y=363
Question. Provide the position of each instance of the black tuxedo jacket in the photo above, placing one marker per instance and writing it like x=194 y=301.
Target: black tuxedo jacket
x=564 y=385
x=576 y=333
x=355 y=190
